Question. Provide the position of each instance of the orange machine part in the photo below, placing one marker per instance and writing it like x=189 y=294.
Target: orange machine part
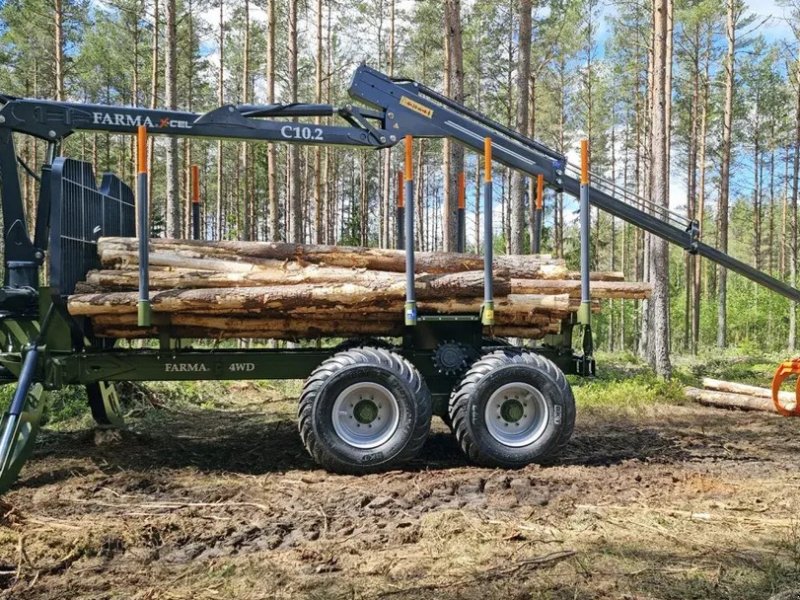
x=584 y=162
x=409 y=166
x=785 y=369
x=195 y=184
x=141 y=149
x=487 y=157
x=539 y=192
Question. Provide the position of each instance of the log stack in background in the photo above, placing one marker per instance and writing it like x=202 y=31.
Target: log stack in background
x=292 y=291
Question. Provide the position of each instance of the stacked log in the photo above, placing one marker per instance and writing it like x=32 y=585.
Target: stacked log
x=733 y=395
x=292 y=291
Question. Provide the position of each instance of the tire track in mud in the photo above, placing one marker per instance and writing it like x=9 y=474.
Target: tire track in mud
x=205 y=486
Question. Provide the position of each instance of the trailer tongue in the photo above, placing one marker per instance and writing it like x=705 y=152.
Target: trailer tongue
x=366 y=406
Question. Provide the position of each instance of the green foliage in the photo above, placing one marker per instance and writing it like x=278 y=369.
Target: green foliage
x=625 y=386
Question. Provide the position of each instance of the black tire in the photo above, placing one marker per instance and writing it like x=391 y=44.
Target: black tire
x=469 y=401
x=357 y=366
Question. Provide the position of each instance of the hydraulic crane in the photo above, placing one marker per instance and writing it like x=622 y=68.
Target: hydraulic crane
x=443 y=366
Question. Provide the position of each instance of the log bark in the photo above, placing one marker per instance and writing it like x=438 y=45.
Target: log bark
x=741 y=388
x=312 y=297
x=222 y=327
x=729 y=400
x=599 y=289
x=467 y=283
x=116 y=251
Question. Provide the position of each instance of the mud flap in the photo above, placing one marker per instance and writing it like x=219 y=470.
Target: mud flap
x=105 y=404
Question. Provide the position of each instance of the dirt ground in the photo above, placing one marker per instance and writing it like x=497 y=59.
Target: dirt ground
x=664 y=502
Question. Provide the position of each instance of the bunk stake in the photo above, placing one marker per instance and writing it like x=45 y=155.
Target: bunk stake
x=144 y=229
x=401 y=238
x=537 y=215
x=461 y=231
x=411 y=302
x=585 y=312
x=487 y=314
x=195 y=202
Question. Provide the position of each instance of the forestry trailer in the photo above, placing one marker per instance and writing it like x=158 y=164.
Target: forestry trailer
x=366 y=405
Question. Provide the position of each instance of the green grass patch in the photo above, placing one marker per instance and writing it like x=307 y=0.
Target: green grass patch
x=633 y=392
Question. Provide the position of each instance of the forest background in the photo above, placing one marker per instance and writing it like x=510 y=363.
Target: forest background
x=690 y=103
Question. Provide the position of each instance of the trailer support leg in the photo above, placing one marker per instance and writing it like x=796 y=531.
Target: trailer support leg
x=22 y=422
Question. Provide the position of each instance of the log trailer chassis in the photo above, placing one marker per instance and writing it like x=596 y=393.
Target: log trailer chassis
x=366 y=406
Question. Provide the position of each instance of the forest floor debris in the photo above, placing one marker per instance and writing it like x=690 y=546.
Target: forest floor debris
x=662 y=501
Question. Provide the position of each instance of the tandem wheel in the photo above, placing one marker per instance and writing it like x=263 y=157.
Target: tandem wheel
x=512 y=409
x=364 y=410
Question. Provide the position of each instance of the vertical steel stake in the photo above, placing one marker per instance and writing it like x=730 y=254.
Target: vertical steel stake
x=400 y=217
x=411 y=302
x=585 y=313
x=461 y=243
x=487 y=314
x=144 y=229
x=195 y=202
x=537 y=215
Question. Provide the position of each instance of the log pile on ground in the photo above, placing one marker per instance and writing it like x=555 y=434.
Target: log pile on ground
x=292 y=291
x=729 y=394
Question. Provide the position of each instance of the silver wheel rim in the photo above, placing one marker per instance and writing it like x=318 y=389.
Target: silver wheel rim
x=516 y=414
x=365 y=415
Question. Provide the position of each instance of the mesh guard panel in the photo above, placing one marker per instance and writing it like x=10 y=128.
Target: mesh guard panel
x=80 y=213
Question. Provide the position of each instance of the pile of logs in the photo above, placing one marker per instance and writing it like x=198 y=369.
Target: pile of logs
x=291 y=291
x=729 y=394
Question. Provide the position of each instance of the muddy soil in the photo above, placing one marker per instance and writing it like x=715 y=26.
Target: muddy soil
x=666 y=502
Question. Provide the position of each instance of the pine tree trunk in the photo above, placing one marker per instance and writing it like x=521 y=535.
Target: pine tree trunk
x=294 y=150
x=171 y=96
x=659 y=336
x=722 y=210
x=701 y=204
x=454 y=87
x=59 y=49
x=272 y=167
x=244 y=148
x=792 y=342
x=319 y=233
x=154 y=79
x=518 y=220
x=388 y=180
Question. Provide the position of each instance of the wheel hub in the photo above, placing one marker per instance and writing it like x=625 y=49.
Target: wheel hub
x=516 y=414
x=365 y=415
x=512 y=410
x=365 y=411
